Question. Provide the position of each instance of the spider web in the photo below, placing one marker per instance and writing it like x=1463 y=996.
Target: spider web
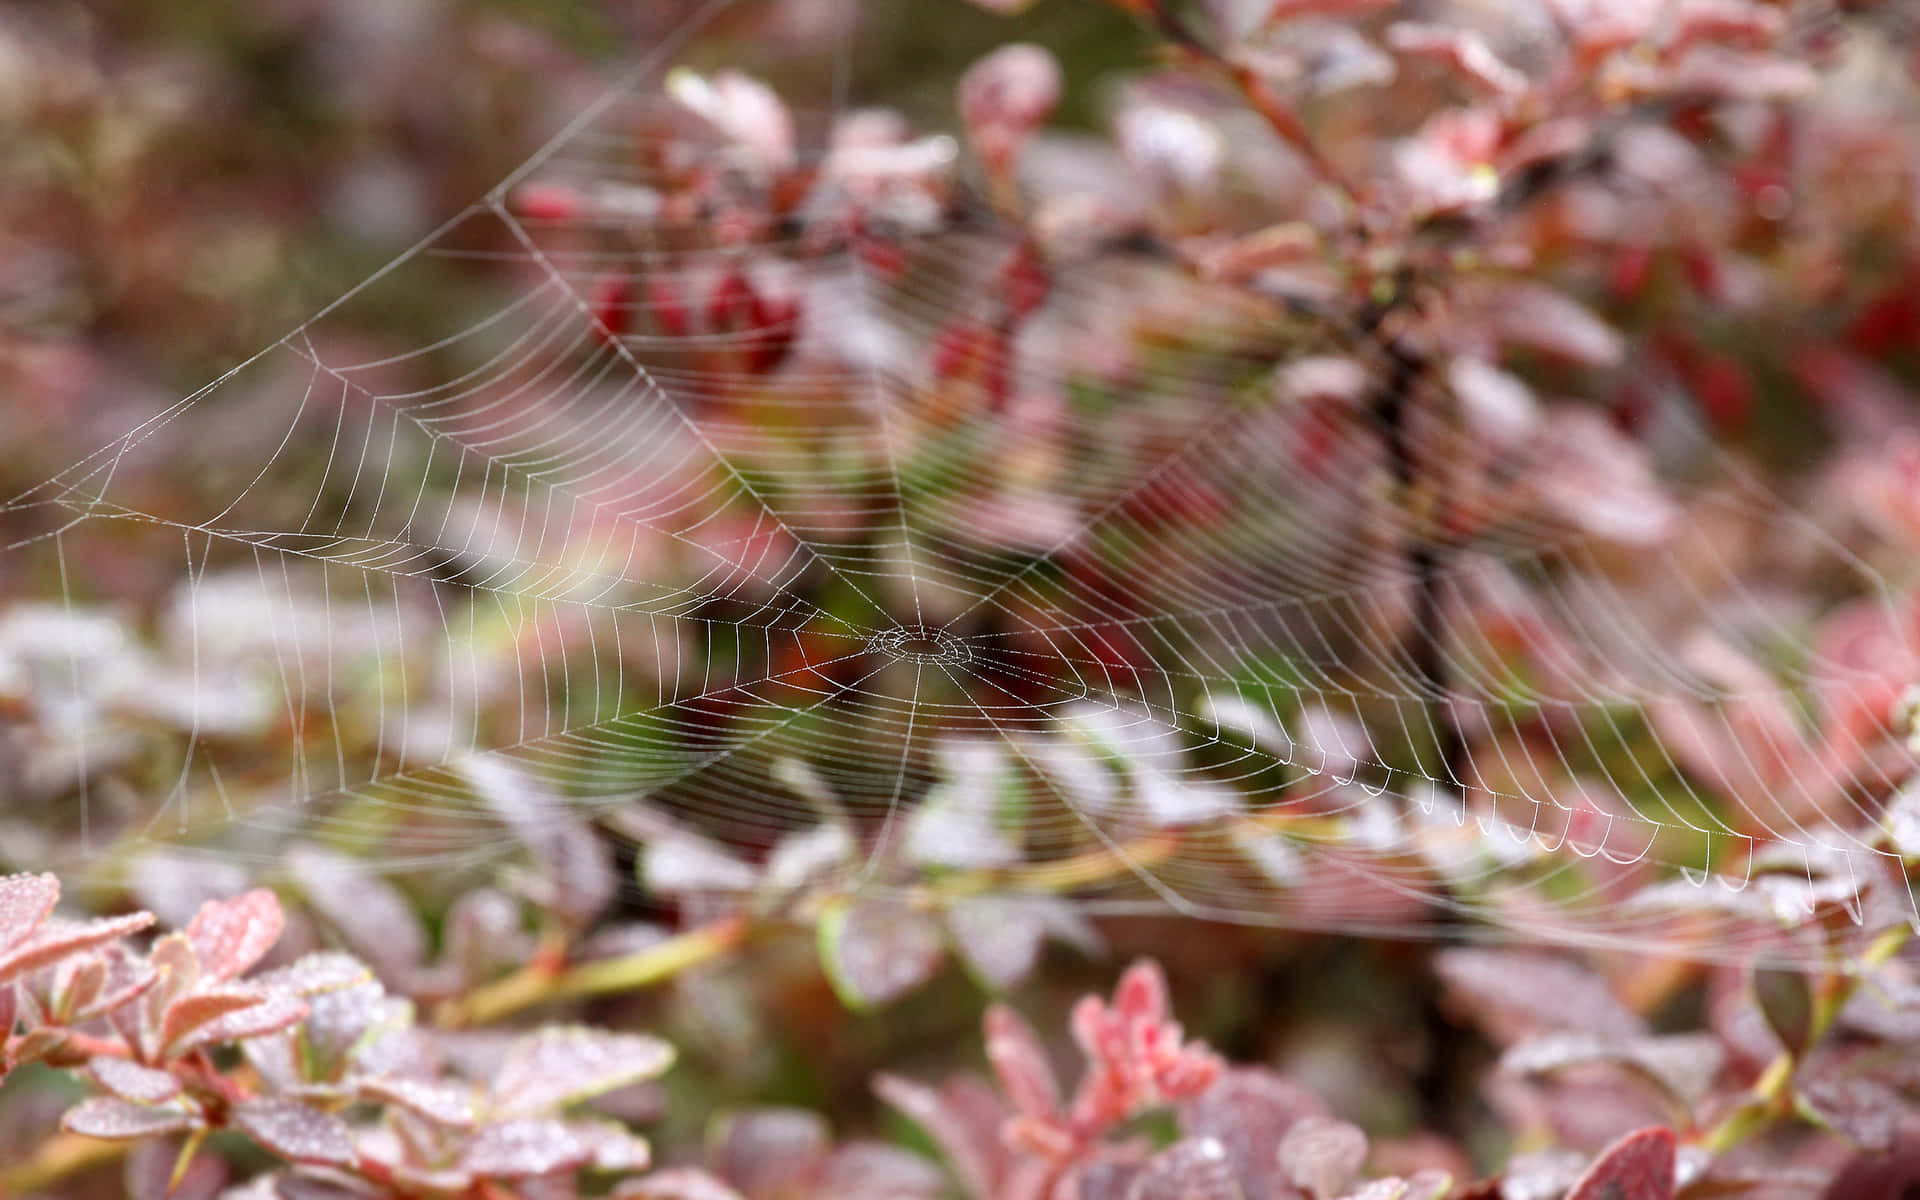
x=1120 y=618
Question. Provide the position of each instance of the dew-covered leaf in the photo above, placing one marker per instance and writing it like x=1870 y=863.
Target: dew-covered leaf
x=297 y=1132
x=517 y=1149
x=576 y=878
x=55 y=940
x=270 y=1015
x=131 y=1081
x=230 y=936
x=1640 y=1166
x=25 y=901
x=205 y=1005
x=1191 y=1169
x=313 y=974
x=439 y=1101
x=1541 y=318
x=611 y=1146
x=114 y=1119
x=1322 y=1155
x=875 y=951
x=553 y=1068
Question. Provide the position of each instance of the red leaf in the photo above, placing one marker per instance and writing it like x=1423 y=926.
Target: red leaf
x=229 y=936
x=1640 y=1166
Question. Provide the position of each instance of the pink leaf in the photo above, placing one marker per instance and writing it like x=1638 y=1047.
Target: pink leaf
x=269 y=1016
x=1640 y=1166
x=743 y=109
x=554 y=1068
x=229 y=936
x=25 y=901
x=199 y=1008
x=1248 y=1111
x=58 y=939
x=297 y=1132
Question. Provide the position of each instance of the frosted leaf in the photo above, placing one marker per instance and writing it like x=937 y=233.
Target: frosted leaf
x=1171 y=802
x=1193 y=1169
x=57 y=939
x=131 y=1081
x=556 y=1067
x=875 y=951
x=271 y=1015
x=515 y=1149
x=312 y=974
x=1640 y=1166
x=611 y=1146
x=339 y=1020
x=230 y=936
x=297 y=1132
x=443 y=1103
x=202 y=1006
x=369 y=913
x=113 y=1119
x=25 y=901
x=1322 y=1155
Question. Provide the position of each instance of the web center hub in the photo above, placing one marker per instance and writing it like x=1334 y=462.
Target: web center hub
x=923 y=645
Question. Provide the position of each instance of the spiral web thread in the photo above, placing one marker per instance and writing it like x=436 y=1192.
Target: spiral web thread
x=685 y=578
